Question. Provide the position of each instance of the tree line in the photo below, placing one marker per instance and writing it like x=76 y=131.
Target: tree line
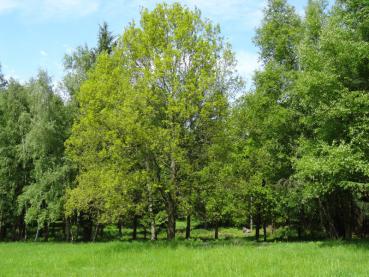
x=157 y=126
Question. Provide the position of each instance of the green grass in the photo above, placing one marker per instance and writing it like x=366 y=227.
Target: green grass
x=233 y=257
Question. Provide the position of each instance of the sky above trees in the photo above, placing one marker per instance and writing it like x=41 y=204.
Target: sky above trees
x=42 y=31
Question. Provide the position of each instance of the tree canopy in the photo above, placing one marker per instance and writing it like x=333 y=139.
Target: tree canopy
x=158 y=127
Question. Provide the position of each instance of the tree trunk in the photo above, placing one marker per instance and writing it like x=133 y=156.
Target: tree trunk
x=5 y=231
x=2 y=230
x=152 y=216
x=250 y=207
x=101 y=231
x=25 y=232
x=257 y=226
x=52 y=230
x=134 y=233
x=273 y=226
x=300 y=227
x=67 y=230
x=95 y=232
x=46 y=232
x=188 y=226
x=87 y=231
x=216 y=231
x=37 y=233
x=75 y=238
x=151 y=210
x=332 y=229
x=120 y=233
x=13 y=232
x=348 y=219
x=18 y=227
x=154 y=235
x=299 y=232
x=265 y=231
x=87 y=226
x=321 y=217
x=171 y=226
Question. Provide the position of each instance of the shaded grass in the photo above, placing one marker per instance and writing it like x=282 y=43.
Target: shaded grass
x=232 y=257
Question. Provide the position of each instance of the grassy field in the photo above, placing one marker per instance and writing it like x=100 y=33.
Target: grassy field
x=232 y=257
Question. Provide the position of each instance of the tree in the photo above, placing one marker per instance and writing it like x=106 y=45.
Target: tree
x=162 y=91
x=279 y=34
x=42 y=197
x=3 y=81
x=332 y=97
x=218 y=188
x=155 y=137
x=265 y=127
x=77 y=65
x=106 y=41
x=80 y=61
x=14 y=165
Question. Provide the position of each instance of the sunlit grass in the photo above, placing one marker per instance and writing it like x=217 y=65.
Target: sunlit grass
x=230 y=257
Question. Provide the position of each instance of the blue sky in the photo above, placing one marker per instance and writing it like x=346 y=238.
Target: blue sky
x=36 y=34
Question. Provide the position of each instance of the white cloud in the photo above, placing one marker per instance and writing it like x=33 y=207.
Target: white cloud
x=231 y=9
x=248 y=13
x=48 y=9
x=247 y=63
x=68 y=49
x=70 y=7
x=11 y=73
x=245 y=12
x=6 y=5
x=237 y=17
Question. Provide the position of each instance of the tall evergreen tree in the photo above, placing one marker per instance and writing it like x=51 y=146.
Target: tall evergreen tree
x=106 y=41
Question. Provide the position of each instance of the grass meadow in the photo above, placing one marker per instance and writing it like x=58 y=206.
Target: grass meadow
x=197 y=257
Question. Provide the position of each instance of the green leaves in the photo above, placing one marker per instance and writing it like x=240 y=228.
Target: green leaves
x=280 y=34
x=33 y=173
x=153 y=108
x=155 y=134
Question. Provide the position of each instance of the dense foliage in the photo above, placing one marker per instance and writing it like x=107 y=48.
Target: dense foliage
x=157 y=127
